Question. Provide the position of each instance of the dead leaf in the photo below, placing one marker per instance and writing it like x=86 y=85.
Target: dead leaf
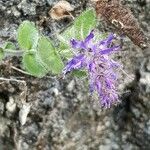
x=61 y=10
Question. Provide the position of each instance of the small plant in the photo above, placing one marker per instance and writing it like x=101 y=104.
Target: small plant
x=90 y=51
x=40 y=56
x=94 y=58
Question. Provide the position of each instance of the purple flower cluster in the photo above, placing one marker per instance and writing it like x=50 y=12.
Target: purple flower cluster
x=94 y=57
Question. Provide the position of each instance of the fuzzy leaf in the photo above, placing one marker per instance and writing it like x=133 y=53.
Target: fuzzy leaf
x=27 y=36
x=64 y=39
x=79 y=30
x=79 y=73
x=85 y=23
x=1 y=54
x=10 y=46
x=49 y=56
x=33 y=65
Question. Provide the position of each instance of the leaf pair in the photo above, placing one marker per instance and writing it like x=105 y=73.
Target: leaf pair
x=39 y=56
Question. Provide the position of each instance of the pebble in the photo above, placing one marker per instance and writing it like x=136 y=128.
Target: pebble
x=47 y=102
x=15 y=12
x=55 y=91
x=1 y=107
x=23 y=113
x=50 y=2
x=148 y=127
x=105 y=147
x=71 y=85
x=11 y=105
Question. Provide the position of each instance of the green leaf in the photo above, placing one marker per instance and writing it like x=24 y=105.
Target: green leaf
x=79 y=73
x=85 y=23
x=9 y=45
x=27 y=36
x=33 y=65
x=64 y=39
x=1 y=54
x=79 y=30
x=65 y=50
x=49 y=56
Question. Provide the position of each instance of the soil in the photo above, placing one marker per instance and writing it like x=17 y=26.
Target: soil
x=52 y=113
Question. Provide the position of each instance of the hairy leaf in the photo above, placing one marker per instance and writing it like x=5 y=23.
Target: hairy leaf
x=85 y=23
x=1 y=53
x=79 y=73
x=49 y=56
x=64 y=39
x=33 y=65
x=79 y=30
x=27 y=35
x=10 y=46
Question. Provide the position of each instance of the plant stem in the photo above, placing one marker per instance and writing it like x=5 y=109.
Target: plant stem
x=19 y=70
x=13 y=52
x=15 y=80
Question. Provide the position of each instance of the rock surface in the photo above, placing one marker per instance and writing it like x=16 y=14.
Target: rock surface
x=62 y=114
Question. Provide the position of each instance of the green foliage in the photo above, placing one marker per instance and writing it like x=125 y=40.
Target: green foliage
x=1 y=53
x=79 y=30
x=9 y=45
x=6 y=47
x=81 y=27
x=49 y=56
x=27 y=36
x=64 y=39
x=79 y=73
x=39 y=54
x=85 y=23
x=43 y=58
x=33 y=65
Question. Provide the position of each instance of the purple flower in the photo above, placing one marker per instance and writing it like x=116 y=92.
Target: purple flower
x=94 y=57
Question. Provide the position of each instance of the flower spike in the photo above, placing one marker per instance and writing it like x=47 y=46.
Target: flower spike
x=94 y=57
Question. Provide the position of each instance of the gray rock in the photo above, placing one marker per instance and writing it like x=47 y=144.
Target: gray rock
x=27 y=8
x=71 y=85
x=51 y=2
x=65 y=118
x=11 y=105
x=23 y=113
x=1 y=107
x=105 y=147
